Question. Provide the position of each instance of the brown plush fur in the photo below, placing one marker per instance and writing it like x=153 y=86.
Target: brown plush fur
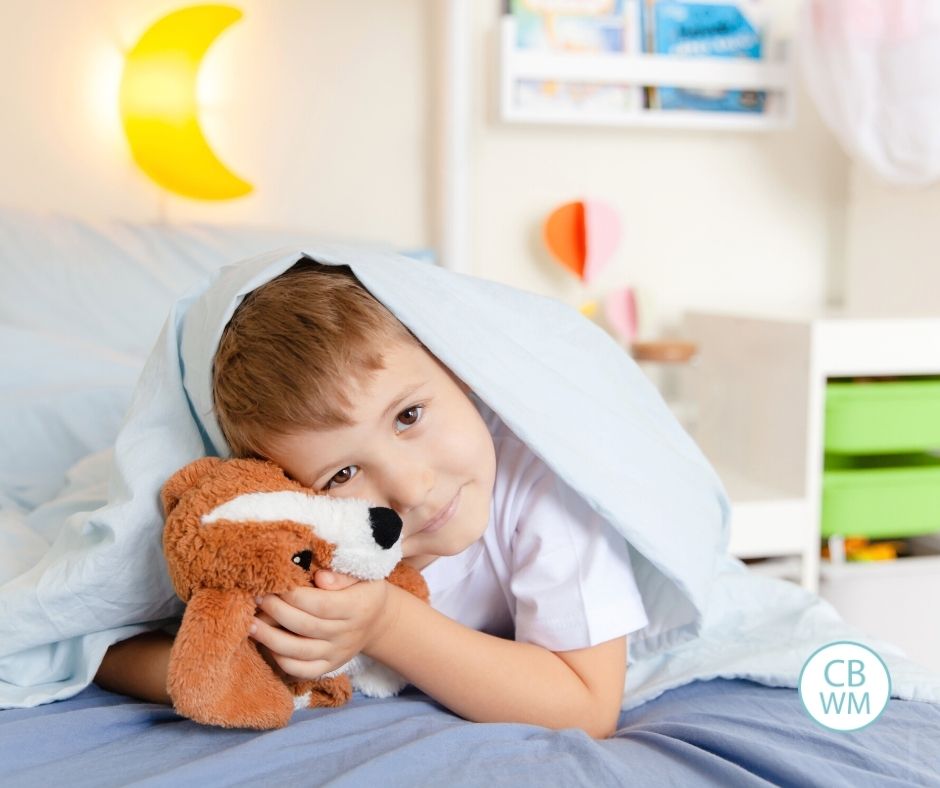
x=217 y=674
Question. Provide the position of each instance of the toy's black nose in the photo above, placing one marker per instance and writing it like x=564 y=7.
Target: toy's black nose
x=386 y=526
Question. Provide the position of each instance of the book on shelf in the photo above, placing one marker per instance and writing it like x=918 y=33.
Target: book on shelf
x=577 y=26
x=720 y=28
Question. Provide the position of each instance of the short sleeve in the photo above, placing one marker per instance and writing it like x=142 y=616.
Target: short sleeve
x=571 y=578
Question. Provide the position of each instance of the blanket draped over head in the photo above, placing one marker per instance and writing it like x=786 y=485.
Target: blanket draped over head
x=558 y=381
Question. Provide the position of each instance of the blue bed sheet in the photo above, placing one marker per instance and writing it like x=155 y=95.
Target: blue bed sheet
x=720 y=732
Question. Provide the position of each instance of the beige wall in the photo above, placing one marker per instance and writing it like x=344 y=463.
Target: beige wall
x=711 y=219
x=328 y=107
x=892 y=247
x=321 y=104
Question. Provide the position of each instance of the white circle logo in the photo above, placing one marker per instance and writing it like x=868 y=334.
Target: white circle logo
x=844 y=686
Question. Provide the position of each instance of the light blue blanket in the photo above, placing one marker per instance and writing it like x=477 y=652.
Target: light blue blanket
x=559 y=382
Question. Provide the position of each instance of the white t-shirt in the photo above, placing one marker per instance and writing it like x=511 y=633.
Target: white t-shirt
x=548 y=570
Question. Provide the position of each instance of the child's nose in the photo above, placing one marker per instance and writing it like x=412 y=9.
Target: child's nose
x=409 y=485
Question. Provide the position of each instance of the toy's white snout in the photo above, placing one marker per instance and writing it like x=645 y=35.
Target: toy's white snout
x=366 y=538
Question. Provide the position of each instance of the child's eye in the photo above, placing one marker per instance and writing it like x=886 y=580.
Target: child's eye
x=410 y=417
x=341 y=476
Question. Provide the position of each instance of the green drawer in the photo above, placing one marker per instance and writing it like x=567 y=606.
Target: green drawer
x=895 y=500
x=883 y=417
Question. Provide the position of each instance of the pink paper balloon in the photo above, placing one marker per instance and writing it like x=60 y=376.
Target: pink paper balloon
x=602 y=232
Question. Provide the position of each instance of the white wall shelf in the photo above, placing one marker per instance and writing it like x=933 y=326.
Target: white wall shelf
x=775 y=76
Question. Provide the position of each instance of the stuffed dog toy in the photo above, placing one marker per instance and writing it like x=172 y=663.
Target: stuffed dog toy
x=238 y=529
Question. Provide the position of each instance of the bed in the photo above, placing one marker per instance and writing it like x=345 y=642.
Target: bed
x=71 y=355
x=718 y=732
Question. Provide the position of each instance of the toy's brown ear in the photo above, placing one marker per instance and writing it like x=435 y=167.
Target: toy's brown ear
x=216 y=675
x=185 y=479
x=410 y=579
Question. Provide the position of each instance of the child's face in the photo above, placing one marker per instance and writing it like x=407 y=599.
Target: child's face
x=419 y=446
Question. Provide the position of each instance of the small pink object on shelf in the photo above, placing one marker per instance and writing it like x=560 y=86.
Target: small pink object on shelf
x=620 y=313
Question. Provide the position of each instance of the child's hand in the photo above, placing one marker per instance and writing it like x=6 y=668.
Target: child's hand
x=311 y=631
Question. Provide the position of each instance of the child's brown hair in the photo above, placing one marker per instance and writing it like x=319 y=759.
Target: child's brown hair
x=292 y=350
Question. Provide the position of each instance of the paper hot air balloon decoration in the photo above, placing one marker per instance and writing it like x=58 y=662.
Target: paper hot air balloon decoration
x=583 y=236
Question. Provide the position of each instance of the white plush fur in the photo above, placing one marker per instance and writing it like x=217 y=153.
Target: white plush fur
x=343 y=522
x=371 y=678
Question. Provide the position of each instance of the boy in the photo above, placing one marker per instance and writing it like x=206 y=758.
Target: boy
x=315 y=374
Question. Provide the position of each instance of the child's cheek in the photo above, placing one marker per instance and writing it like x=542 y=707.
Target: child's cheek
x=472 y=437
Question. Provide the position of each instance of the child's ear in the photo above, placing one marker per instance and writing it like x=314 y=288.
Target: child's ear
x=183 y=480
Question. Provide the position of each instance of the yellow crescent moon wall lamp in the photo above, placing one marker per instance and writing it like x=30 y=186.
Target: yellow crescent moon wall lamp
x=159 y=108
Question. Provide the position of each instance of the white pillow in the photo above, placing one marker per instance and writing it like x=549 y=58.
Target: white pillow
x=112 y=283
x=60 y=399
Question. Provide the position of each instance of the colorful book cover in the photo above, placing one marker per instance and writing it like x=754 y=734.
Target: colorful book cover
x=577 y=26
x=570 y=25
x=695 y=29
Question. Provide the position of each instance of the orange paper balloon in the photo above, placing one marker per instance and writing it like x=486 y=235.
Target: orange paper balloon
x=565 y=237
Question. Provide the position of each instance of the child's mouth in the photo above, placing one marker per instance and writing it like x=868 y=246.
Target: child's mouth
x=441 y=519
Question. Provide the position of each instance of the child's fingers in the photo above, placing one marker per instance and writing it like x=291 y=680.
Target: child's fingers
x=304 y=670
x=288 y=669
x=313 y=601
x=266 y=618
x=284 y=643
x=333 y=581
x=297 y=657
x=277 y=612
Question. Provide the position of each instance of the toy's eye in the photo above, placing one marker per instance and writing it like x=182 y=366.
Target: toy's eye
x=303 y=559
